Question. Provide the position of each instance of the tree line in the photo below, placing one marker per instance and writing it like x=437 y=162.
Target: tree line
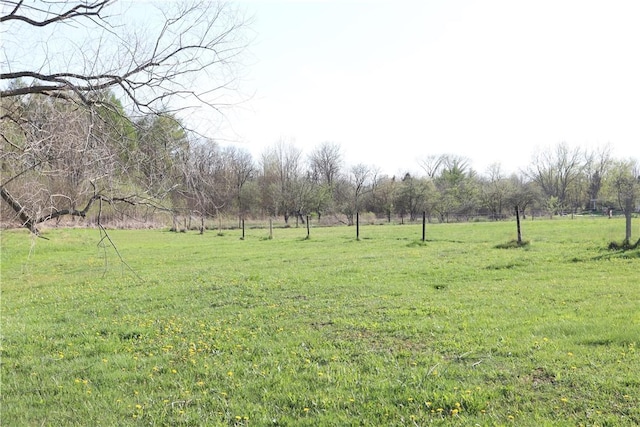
x=102 y=141
x=61 y=160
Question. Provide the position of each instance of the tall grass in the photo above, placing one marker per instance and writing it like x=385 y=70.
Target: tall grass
x=387 y=330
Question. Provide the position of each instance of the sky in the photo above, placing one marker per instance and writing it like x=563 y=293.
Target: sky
x=393 y=82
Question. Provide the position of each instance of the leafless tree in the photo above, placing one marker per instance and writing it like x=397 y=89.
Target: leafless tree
x=432 y=164
x=494 y=191
x=281 y=179
x=597 y=165
x=555 y=170
x=240 y=167
x=353 y=188
x=110 y=62
x=325 y=163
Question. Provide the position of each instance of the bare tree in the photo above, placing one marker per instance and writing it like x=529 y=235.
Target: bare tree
x=149 y=66
x=494 y=191
x=598 y=162
x=88 y=55
x=326 y=163
x=555 y=171
x=352 y=189
x=240 y=167
x=432 y=165
x=281 y=179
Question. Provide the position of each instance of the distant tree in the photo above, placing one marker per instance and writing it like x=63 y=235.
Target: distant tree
x=523 y=194
x=237 y=169
x=555 y=171
x=457 y=189
x=624 y=183
x=432 y=164
x=360 y=176
x=281 y=176
x=325 y=163
x=495 y=189
x=325 y=171
x=598 y=163
x=411 y=196
x=383 y=196
x=162 y=143
x=207 y=185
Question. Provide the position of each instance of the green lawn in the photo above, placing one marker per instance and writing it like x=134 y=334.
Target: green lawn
x=218 y=331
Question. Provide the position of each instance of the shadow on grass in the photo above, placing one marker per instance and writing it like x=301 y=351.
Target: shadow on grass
x=624 y=250
x=513 y=244
x=624 y=246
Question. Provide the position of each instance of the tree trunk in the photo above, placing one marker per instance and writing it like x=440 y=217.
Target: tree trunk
x=518 y=225
x=628 y=208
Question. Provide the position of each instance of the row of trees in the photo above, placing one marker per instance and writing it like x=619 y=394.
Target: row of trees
x=60 y=160
x=74 y=141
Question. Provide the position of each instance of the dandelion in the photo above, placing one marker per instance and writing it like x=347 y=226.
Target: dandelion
x=173 y=371
x=454 y=412
x=230 y=373
x=569 y=354
x=564 y=400
x=306 y=409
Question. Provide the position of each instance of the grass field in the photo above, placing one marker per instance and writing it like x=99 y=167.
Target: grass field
x=327 y=331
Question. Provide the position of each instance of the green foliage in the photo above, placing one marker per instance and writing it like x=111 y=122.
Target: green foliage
x=324 y=331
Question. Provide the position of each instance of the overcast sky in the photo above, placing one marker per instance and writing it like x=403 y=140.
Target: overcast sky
x=395 y=81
